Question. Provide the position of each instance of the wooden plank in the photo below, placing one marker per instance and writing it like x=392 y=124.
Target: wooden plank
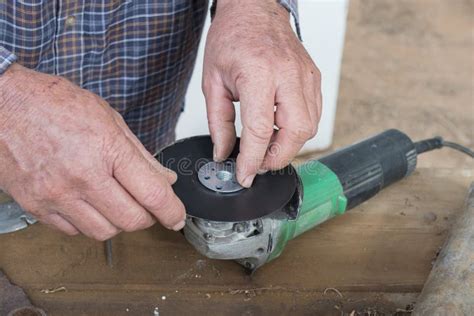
x=385 y=245
x=259 y=302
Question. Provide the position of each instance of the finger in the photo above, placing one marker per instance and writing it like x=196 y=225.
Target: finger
x=169 y=174
x=295 y=127
x=118 y=206
x=221 y=118
x=150 y=189
x=59 y=223
x=312 y=94
x=88 y=220
x=257 y=101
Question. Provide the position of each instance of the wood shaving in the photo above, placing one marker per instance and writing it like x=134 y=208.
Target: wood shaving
x=54 y=290
x=334 y=290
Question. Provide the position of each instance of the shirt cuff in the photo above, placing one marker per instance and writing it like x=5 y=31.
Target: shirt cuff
x=6 y=59
x=292 y=7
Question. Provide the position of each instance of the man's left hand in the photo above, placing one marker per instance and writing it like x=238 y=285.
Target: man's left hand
x=253 y=56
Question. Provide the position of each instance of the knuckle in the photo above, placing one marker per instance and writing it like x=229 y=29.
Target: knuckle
x=310 y=130
x=316 y=73
x=241 y=79
x=100 y=186
x=156 y=197
x=42 y=217
x=206 y=86
x=277 y=163
x=171 y=215
x=262 y=58
x=303 y=133
x=118 y=116
x=259 y=73
x=260 y=130
x=137 y=222
x=120 y=151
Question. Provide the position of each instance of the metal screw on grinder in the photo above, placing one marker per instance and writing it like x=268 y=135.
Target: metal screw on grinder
x=208 y=236
x=249 y=265
x=239 y=227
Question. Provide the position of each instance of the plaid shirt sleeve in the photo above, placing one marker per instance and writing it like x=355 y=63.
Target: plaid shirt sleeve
x=6 y=59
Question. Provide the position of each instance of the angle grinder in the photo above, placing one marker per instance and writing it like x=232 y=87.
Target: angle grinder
x=253 y=226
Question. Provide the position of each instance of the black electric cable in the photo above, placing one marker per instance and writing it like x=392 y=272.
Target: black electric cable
x=458 y=147
x=438 y=142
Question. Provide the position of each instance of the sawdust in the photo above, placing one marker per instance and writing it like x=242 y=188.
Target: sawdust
x=253 y=292
x=201 y=268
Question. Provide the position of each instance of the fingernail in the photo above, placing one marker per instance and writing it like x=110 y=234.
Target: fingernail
x=214 y=155
x=262 y=171
x=179 y=226
x=247 y=183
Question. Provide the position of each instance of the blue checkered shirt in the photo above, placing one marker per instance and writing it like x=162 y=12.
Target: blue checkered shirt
x=138 y=55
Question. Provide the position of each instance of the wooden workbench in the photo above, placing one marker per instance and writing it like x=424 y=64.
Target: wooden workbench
x=377 y=256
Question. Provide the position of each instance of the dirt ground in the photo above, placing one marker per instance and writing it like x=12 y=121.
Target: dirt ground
x=407 y=64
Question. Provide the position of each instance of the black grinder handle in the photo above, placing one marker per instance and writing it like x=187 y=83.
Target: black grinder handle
x=371 y=165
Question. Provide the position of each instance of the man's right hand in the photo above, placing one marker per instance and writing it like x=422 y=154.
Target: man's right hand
x=70 y=160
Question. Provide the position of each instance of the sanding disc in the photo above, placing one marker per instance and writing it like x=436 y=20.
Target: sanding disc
x=190 y=157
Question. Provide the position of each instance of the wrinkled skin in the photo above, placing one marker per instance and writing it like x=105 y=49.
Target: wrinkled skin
x=68 y=158
x=253 y=56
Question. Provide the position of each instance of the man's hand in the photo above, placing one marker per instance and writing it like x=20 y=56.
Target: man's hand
x=253 y=56
x=69 y=159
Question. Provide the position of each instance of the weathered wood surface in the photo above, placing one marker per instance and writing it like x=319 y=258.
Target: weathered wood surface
x=449 y=289
x=385 y=245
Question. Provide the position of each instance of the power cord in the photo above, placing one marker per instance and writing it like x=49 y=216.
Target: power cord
x=438 y=142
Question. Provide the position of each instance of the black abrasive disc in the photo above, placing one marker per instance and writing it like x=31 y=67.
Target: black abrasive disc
x=270 y=192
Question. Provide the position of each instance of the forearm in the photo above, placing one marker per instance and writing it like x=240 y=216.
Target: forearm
x=7 y=96
x=10 y=95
